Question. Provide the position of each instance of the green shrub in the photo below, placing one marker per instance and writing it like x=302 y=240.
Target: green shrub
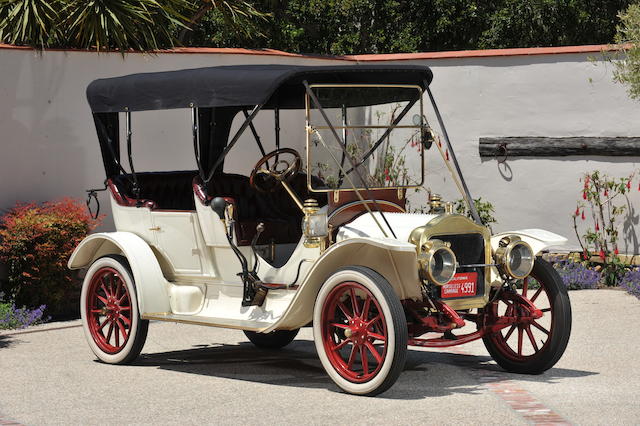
x=36 y=242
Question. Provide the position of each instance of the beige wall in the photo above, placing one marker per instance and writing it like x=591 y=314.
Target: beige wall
x=49 y=148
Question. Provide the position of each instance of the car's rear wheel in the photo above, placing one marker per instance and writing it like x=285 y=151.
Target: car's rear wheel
x=532 y=346
x=109 y=310
x=274 y=340
x=360 y=331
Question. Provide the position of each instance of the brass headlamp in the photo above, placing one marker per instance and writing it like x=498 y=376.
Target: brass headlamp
x=437 y=262
x=514 y=257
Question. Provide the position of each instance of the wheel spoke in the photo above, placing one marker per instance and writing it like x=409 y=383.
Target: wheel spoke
x=122 y=330
x=506 y=337
x=118 y=287
x=102 y=299
x=352 y=357
x=117 y=335
x=377 y=336
x=520 y=333
x=126 y=320
x=345 y=311
x=110 y=331
x=341 y=344
x=106 y=321
x=374 y=352
x=354 y=302
x=536 y=294
x=365 y=360
x=338 y=325
x=539 y=327
x=96 y=311
x=365 y=309
x=373 y=321
x=525 y=287
x=531 y=338
x=102 y=286
x=125 y=308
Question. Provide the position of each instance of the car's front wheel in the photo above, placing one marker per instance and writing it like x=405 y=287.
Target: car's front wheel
x=531 y=345
x=360 y=331
x=109 y=310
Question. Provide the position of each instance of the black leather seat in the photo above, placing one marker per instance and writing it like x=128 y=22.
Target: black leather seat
x=279 y=213
x=160 y=190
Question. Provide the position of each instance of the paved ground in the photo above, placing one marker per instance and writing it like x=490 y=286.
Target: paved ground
x=197 y=375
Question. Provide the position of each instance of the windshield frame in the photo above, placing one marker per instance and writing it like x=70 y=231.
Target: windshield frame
x=310 y=129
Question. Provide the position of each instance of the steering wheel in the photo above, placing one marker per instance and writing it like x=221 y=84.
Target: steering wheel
x=266 y=179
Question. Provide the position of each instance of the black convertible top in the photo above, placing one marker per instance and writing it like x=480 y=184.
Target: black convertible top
x=238 y=86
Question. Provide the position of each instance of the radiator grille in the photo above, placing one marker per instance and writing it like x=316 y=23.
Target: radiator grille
x=468 y=248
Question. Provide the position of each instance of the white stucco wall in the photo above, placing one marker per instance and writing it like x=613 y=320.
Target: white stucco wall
x=49 y=147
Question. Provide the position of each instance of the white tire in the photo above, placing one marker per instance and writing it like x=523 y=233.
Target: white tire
x=109 y=311
x=358 y=316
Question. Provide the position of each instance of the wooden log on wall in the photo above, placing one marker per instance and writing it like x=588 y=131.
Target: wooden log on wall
x=534 y=146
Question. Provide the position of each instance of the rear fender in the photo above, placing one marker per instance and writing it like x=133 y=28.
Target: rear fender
x=394 y=260
x=151 y=286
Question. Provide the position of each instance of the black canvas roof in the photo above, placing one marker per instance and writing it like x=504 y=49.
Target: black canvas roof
x=237 y=86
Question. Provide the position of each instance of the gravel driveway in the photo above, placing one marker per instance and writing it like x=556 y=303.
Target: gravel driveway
x=198 y=375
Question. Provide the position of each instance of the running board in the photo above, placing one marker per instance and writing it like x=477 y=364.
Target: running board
x=210 y=321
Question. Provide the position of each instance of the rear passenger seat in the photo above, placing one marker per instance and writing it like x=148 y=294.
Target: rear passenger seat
x=158 y=190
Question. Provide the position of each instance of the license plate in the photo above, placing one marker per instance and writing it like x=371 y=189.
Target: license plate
x=461 y=285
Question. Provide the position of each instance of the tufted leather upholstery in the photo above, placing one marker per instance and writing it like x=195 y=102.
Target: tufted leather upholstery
x=280 y=215
x=159 y=190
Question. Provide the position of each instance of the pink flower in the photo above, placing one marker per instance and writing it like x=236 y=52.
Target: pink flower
x=601 y=254
x=583 y=215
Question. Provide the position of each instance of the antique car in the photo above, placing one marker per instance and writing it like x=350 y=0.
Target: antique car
x=319 y=233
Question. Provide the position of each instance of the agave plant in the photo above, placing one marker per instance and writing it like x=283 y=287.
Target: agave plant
x=30 y=22
x=123 y=24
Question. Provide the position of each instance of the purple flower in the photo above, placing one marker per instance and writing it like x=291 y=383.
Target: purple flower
x=576 y=276
x=630 y=281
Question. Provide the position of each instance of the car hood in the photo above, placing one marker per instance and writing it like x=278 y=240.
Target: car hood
x=365 y=225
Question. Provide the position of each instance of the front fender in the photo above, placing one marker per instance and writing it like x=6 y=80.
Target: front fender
x=394 y=260
x=151 y=286
x=538 y=239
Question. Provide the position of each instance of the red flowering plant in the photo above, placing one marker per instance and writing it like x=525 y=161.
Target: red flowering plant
x=36 y=242
x=601 y=212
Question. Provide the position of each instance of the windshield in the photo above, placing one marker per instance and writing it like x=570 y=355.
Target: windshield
x=376 y=131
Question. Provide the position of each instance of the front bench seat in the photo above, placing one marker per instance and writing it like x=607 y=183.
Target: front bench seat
x=281 y=217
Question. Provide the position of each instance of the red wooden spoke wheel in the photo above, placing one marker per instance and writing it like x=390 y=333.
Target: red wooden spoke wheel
x=109 y=309
x=531 y=344
x=360 y=331
x=354 y=332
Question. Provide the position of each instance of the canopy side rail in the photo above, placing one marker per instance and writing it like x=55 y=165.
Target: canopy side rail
x=342 y=145
x=467 y=194
x=233 y=141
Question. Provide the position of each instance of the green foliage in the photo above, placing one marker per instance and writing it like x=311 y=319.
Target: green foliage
x=387 y=26
x=95 y=24
x=122 y=24
x=32 y=22
x=628 y=68
x=35 y=244
x=484 y=208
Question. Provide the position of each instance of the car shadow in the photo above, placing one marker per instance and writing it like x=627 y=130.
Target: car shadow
x=6 y=341
x=426 y=374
